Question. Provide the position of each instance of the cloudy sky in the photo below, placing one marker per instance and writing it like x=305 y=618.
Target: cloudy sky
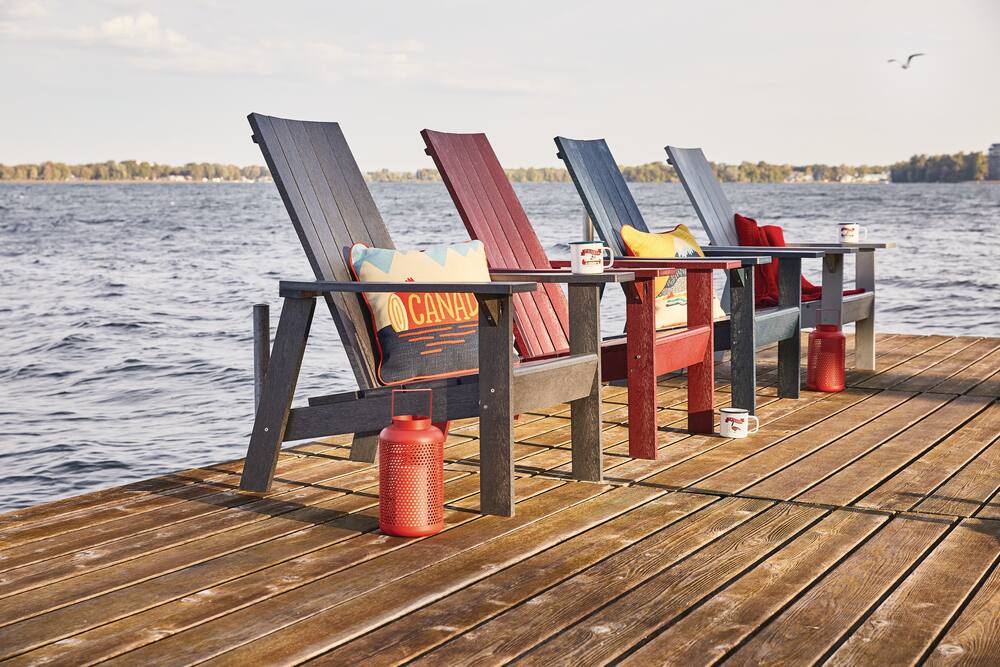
x=777 y=81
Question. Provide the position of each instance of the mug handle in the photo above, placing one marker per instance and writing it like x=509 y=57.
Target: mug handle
x=756 y=424
x=611 y=257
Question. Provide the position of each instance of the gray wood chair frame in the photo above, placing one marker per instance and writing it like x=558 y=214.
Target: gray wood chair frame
x=331 y=208
x=716 y=215
x=610 y=205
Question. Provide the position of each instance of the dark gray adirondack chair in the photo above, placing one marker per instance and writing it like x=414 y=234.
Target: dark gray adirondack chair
x=716 y=214
x=610 y=205
x=331 y=208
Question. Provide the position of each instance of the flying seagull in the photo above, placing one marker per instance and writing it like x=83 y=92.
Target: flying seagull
x=905 y=65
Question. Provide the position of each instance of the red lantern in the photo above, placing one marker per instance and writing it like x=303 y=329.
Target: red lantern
x=411 y=474
x=827 y=356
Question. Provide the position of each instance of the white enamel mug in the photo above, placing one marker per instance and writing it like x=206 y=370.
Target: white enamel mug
x=852 y=232
x=735 y=423
x=588 y=257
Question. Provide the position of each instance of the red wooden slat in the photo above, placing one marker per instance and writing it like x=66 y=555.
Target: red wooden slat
x=524 y=235
x=489 y=208
x=447 y=159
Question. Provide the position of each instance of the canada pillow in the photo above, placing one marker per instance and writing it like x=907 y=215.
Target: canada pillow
x=671 y=291
x=422 y=335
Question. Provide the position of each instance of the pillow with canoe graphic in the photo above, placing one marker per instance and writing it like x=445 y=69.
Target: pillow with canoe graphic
x=422 y=335
x=671 y=292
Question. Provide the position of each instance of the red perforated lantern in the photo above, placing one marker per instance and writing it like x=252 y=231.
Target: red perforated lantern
x=411 y=475
x=827 y=352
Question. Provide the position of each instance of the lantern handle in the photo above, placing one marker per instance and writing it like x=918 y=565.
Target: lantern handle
x=430 y=401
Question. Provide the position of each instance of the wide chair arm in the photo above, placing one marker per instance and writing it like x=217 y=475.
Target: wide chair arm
x=774 y=253
x=640 y=262
x=543 y=276
x=667 y=265
x=310 y=288
x=864 y=245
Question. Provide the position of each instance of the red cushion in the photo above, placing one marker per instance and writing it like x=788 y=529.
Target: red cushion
x=776 y=239
x=766 y=276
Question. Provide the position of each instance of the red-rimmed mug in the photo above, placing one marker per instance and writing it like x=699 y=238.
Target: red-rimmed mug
x=588 y=257
x=735 y=423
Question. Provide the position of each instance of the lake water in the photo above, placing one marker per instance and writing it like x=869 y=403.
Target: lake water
x=125 y=308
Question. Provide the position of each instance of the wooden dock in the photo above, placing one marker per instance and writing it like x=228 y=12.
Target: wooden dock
x=855 y=528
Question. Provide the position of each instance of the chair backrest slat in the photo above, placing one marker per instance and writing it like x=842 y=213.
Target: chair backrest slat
x=331 y=208
x=603 y=189
x=492 y=213
x=705 y=193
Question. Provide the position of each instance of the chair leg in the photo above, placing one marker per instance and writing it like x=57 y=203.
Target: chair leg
x=701 y=380
x=789 y=350
x=364 y=447
x=743 y=374
x=585 y=413
x=496 y=409
x=276 y=394
x=640 y=316
x=864 y=330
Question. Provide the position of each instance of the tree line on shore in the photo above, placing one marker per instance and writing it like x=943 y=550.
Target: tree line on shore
x=131 y=170
x=918 y=169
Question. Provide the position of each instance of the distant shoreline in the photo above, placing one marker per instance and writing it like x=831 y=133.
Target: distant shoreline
x=955 y=168
x=418 y=181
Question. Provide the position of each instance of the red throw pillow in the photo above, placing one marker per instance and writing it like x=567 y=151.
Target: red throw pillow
x=765 y=275
x=766 y=288
x=776 y=239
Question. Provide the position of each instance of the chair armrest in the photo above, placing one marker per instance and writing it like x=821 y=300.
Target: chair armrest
x=307 y=289
x=778 y=253
x=639 y=262
x=700 y=263
x=864 y=245
x=543 y=276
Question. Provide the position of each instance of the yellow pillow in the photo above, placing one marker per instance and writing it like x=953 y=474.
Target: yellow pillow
x=671 y=292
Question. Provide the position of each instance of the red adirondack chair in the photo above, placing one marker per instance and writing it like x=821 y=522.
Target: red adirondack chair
x=493 y=214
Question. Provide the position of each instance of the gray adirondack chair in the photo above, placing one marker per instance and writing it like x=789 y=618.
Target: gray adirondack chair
x=331 y=208
x=610 y=205
x=716 y=215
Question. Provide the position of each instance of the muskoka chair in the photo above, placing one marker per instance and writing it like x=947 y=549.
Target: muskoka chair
x=610 y=205
x=493 y=214
x=856 y=305
x=332 y=208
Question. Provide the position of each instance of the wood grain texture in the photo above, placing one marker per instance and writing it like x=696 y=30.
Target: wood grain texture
x=902 y=629
x=604 y=635
x=854 y=481
x=232 y=630
x=339 y=624
x=922 y=483
x=974 y=637
x=811 y=626
x=730 y=616
x=422 y=630
x=512 y=633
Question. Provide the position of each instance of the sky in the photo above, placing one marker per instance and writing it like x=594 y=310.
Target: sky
x=785 y=82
